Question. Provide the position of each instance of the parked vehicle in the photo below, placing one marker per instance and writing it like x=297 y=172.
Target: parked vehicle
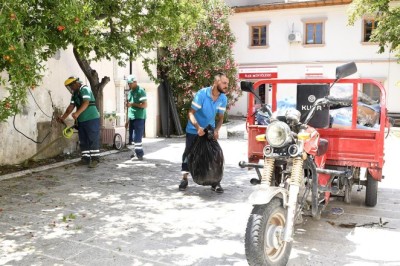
x=303 y=166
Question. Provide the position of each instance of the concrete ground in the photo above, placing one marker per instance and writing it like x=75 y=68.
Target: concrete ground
x=131 y=213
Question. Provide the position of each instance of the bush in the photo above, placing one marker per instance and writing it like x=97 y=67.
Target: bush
x=199 y=56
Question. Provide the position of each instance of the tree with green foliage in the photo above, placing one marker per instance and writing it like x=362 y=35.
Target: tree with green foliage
x=34 y=30
x=207 y=50
x=387 y=14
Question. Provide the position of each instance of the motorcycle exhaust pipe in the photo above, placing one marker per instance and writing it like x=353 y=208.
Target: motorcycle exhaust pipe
x=334 y=172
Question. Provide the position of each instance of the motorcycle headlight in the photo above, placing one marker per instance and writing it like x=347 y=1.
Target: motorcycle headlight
x=278 y=134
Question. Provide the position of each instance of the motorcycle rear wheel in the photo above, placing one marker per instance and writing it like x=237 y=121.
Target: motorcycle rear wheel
x=371 y=192
x=263 y=245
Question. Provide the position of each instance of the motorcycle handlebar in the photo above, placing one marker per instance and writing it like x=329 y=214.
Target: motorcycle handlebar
x=328 y=100
x=311 y=113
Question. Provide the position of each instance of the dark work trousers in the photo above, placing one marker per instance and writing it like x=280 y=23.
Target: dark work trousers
x=131 y=132
x=137 y=126
x=89 y=139
x=190 y=138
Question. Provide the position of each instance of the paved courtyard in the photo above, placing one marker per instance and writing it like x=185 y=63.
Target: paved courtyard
x=131 y=213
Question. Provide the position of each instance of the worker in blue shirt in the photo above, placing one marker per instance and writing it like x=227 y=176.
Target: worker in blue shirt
x=208 y=103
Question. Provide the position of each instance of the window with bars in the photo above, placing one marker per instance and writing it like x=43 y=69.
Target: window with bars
x=258 y=35
x=314 y=32
x=369 y=26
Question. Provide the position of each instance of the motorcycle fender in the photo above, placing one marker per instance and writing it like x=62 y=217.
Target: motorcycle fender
x=262 y=195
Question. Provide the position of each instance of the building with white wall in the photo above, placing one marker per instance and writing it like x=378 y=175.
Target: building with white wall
x=272 y=41
x=296 y=39
x=52 y=96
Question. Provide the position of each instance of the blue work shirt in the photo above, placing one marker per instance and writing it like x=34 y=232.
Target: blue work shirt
x=206 y=109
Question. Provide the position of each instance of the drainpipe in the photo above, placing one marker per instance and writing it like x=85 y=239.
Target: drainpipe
x=130 y=62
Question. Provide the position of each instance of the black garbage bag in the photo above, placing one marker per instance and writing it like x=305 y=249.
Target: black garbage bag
x=206 y=160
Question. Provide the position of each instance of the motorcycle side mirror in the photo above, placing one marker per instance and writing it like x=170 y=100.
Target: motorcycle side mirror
x=247 y=86
x=346 y=70
x=341 y=72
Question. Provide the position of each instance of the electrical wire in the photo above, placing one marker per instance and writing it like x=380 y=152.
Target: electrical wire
x=52 y=105
x=37 y=142
x=51 y=123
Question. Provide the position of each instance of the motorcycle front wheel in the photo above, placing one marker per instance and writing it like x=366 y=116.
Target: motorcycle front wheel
x=263 y=243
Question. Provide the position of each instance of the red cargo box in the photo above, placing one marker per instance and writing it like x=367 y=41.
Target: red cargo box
x=349 y=146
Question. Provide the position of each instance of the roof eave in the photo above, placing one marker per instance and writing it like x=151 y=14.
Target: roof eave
x=306 y=4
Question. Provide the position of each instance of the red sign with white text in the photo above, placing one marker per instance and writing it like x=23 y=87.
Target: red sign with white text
x=258 y=73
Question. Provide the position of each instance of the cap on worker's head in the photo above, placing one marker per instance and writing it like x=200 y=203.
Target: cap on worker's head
x=130 y=79
x=70 y=80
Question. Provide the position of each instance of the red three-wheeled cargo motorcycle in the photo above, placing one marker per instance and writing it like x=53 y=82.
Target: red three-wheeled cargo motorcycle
x=328 y=139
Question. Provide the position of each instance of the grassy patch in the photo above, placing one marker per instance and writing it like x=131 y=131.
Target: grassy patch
x=70 y=217
x=40 y=194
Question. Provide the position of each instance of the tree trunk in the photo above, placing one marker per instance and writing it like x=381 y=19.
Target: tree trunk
x=96 y=85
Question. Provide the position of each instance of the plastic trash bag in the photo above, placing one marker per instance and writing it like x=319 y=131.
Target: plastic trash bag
x=343 y=91
x=367 y=117
x=287 y=103
x=263 y=115
x=206 y=160
x=262 y=118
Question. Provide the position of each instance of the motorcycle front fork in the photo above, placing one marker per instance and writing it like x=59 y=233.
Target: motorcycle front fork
x=296 y=179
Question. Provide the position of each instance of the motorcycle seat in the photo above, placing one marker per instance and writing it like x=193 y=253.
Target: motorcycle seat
x=322 y=147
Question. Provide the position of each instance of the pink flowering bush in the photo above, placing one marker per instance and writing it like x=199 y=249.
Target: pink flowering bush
x=199 y=56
